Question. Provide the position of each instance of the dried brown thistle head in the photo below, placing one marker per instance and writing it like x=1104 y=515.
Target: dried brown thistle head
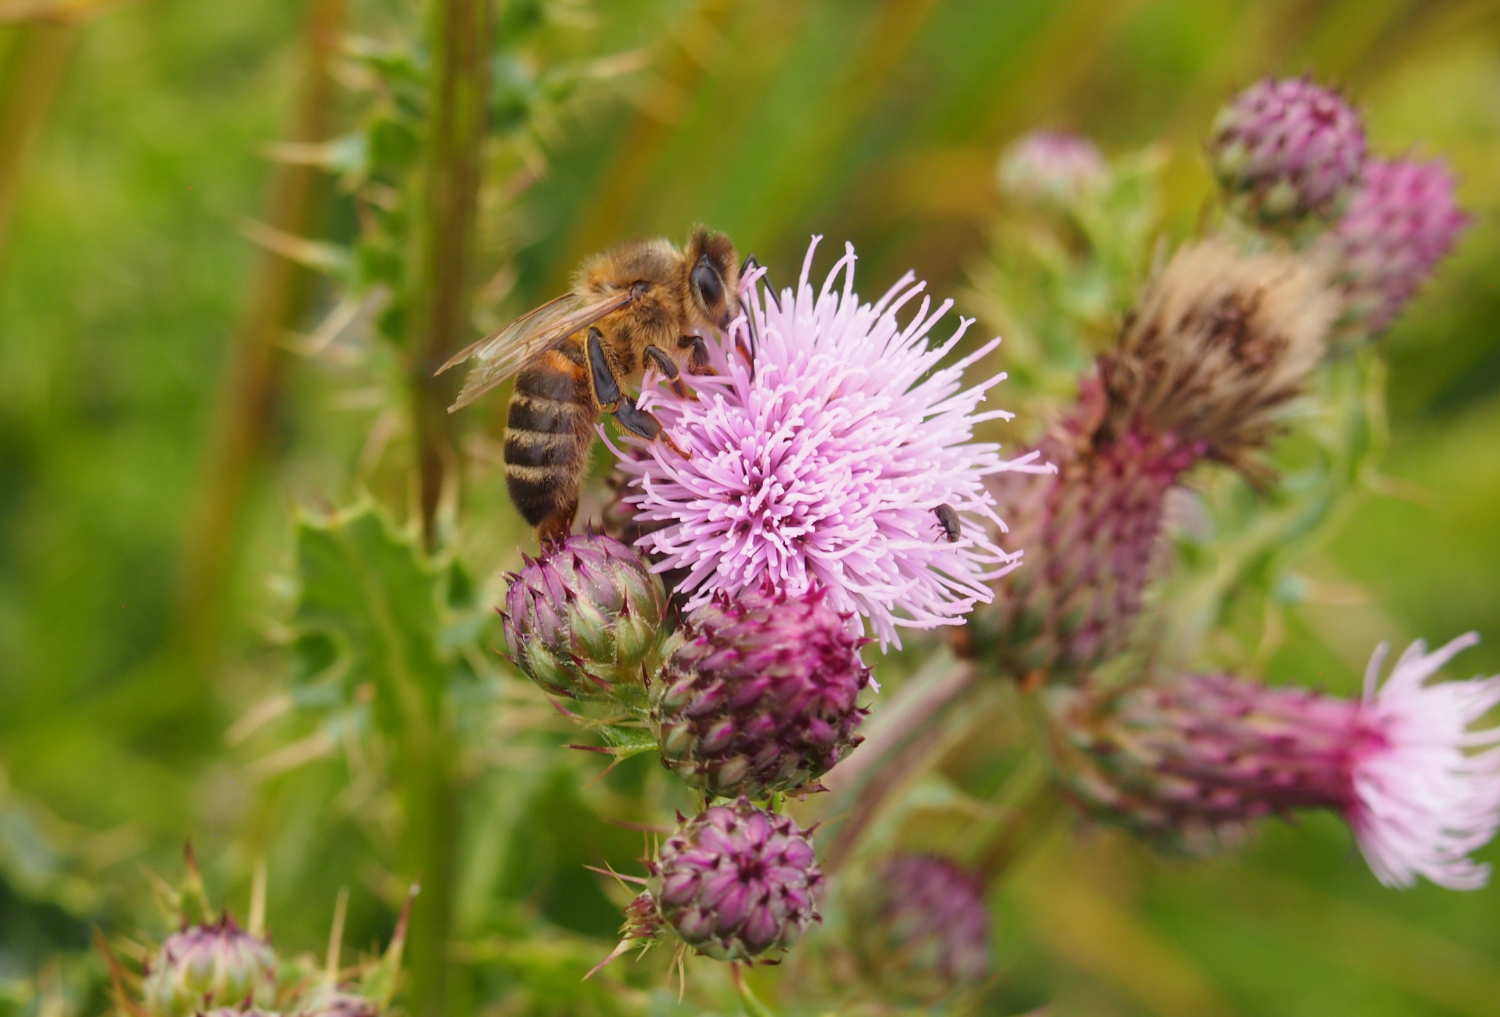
x=1221 y=341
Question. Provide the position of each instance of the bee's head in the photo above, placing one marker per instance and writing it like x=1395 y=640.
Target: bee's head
x=713 y=269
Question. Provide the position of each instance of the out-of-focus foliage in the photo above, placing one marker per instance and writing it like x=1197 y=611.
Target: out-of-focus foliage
x=120 y=284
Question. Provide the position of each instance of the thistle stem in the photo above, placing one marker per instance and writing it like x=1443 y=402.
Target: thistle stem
x=461 y=45
x=445 y=242
x=41 y=58
x=277 y=294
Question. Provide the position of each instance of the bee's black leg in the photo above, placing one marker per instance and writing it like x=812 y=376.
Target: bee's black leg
x=606 y=386
x=698 y=359
x=750 y=264
x=668 y=367
x=645 y=424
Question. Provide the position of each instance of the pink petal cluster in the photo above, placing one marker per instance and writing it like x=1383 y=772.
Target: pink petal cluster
x=825 y=465
x=1423 y=802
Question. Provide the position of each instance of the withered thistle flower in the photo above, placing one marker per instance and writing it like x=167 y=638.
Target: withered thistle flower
x=1402 y=222
x=584 y=620
x=1195 y=762
x=920 y=927
x=205 y=965
x=735 y=883
x=1220 y=343
x=759 y=694
x=1286 y=150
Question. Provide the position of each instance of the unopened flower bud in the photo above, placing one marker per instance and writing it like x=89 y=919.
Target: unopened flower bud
x=759 y=694
x=920 y=927
x=1192 y=763
x=1402 y=222
x=584 y=619
x=330 y=1001
x=1051 y=167
x=736 y=883
x=203 y=965
x=1286 y=150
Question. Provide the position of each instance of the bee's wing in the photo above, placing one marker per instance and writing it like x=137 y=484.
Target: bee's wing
x=502 y=354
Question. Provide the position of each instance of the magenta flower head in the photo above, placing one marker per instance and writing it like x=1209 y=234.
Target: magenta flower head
x=759 y=694
x=584 y=620
x=1051 y=167
x=1403 y=221
x=920 y=927
x=735 y=883
x=1286 y=150
x=203 y=965
x=1198 y=760
x=834 y=463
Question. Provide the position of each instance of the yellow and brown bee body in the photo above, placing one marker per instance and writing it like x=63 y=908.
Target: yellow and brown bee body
x=645 y=300
x=548 y=432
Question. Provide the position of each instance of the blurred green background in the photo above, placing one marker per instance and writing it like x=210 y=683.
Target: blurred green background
x=125 y=277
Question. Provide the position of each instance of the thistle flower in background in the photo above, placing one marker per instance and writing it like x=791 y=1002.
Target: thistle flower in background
x=584 y=619
x=1286 y=150
x=206 y=964
x=759 y=694
x=735 y=883
x=920 y=927
x=827 y=465
x=1402 y=222
x=1195 y=762
x=1220 y=343
x=1051 y=167
x=328 y=1001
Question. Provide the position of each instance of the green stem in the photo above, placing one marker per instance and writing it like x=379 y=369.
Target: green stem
x=41 y=57
x=277 y=294
x=445 y=239
x=444 y=260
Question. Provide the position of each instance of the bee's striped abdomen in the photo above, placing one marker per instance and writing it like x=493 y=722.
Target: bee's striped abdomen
x=547 y=436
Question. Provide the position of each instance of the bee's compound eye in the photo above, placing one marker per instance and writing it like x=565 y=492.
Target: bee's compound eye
x=706 y=282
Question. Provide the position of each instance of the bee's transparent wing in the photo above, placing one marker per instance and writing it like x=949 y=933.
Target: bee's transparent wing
x=502 y=354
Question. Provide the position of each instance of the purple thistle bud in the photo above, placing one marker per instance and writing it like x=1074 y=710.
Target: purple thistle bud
x=759 y=694
x=1195 y=762
x=1402 y=222
x=1286 y=150
x=736 y=883
x=1091 y=533
x=584 y=619
x=206 y=964
x=1051 y=167
x=330 y=1001
x=920 y=927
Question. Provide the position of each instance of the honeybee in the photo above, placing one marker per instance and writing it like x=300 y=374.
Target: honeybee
x=645 y=300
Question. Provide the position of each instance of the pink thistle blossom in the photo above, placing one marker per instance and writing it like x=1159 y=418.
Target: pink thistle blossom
x=1192 y=763
x=1422 y=803
x=827 y=464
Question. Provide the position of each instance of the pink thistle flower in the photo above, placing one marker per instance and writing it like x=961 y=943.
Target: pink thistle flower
x=828 y=463
x=1422 y=803
x=1195 y=761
